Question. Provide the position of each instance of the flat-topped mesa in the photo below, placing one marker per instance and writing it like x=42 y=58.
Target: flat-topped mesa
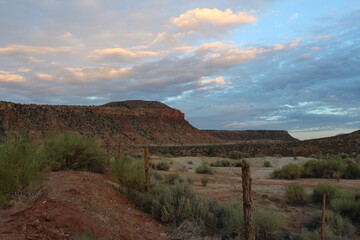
x=125 y=122
x=253 y=135
x=140 y=108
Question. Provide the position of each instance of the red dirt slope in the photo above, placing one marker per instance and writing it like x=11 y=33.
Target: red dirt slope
x=76 y=203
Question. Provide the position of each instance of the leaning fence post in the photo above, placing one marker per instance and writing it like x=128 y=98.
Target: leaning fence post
x=147 y=168
x=323 y=218
x=247 y=203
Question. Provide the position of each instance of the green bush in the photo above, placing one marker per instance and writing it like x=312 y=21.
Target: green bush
x=332 y=167
x=232 y=219
x=268 y=225
x=347 y=203
x=21 y=161
x=267 y=164
x=295 y=194
x=289 y=171
x=179 y=202
x=204 y=168
x=71 y=151
x=220 y=163
x=173 y=178
x=238 y=163
x=129 y=173
x=204 y=180
x=162 y=165
x=336 y=224
x=306 y=234
x=324 y=188
x=238 y=155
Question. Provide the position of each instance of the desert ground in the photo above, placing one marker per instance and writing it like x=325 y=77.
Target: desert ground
x=225 y=184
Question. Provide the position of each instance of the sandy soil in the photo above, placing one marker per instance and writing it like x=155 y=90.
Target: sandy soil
x=78 y=203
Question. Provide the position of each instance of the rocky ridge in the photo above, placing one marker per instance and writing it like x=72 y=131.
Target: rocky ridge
x=124 y=122
x=253 y=135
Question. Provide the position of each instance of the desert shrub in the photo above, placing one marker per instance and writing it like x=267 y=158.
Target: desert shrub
x=211 y=152
x=238 y=155
x=232 y=220
x=190 y=179
x=295 y=194
x=162 y=165
x=172 y=178
x=352 y=171
x=306 y=234
x=332 y=167
x=129 y=173
x=71 y=151
x=156 y=178
x=220 y=163
x=204 y=168
x=324 y=188
x=87 y=235
x=186 y=230
x=347 y=203
x=313 y=168
x=204 y=180
x=238 y=163
x=336 y=224
x=179 y=202
x=21 y=161
x=267 y=164
x=289 y=171
x=268 y=225
x=142 y=199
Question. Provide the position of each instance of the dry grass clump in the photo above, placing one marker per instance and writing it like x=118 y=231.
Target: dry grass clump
x=204 y=168
x=21 y=162
x=71 y=151
x=295 y=194
x=289 y=171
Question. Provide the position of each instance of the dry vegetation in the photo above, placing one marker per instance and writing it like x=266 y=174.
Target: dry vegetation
x=199 y=195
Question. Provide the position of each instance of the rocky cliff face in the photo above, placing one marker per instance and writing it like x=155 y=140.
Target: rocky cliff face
x=253 y=135
x=125 y=122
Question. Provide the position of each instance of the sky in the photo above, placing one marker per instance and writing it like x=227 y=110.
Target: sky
x=227 y=64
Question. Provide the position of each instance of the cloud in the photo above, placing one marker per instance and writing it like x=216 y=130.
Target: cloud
x=120 y=54
x=86 y=74
x=294 y=16
x=14 y=50
x=44 y=76
x=205 y=81
x=10 y=78
x=278 y=47
x=296 y=42
x=209 y=21
x=322 y=37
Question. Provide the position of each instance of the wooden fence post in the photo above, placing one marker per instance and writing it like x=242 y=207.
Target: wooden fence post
x=247 y=203
x=323 y=218
x=147 y=168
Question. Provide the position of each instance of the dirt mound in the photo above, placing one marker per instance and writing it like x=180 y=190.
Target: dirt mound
x=79 y=203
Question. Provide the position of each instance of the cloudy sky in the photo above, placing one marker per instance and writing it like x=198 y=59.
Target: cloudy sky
x=227 y=64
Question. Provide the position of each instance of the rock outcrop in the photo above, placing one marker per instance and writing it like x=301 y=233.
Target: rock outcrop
x=253 y=135
x=116 y=122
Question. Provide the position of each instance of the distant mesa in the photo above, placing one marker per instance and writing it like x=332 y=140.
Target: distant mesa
x=133 y=104
x=340 y=134
x=133 y=121
x=253 y=135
